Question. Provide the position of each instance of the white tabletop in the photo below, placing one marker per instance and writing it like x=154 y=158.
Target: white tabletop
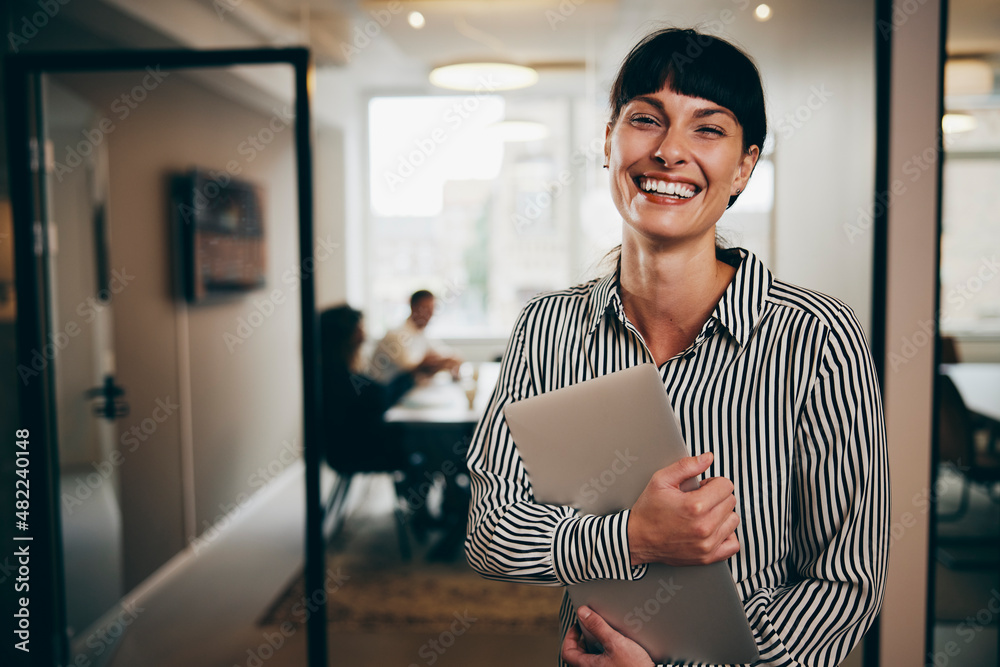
x=979 y=385
x=444 y=401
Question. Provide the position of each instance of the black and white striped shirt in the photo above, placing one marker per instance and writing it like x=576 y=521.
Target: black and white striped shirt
x=780 y=385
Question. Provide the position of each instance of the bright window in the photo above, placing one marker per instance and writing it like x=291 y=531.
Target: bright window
x=486 y=222
x=970 y=237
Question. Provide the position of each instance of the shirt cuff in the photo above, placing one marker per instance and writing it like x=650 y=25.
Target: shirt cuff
x=593 y=547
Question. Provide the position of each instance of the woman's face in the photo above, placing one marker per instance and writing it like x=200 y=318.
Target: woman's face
x=675 y=161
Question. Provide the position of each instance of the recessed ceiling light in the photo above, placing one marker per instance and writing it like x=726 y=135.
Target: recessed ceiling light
x=416 y=20
x=953 y=123
x=485 y=77
x=762 y=12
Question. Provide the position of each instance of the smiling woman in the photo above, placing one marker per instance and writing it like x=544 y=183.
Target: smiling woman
x=773 y=385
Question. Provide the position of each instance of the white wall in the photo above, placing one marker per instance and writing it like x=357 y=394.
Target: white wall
x=822 y=117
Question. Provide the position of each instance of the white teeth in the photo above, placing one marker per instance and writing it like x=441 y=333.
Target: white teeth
x=667 y=188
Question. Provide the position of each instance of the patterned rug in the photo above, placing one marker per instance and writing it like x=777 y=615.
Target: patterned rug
x=370 y=590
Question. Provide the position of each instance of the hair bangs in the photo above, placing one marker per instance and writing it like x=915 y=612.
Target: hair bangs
x=696 y=65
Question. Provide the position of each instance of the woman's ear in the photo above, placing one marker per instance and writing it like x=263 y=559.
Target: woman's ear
x=747 y=164
x=607 y=144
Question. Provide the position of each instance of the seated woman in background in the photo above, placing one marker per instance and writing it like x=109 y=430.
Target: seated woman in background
x=354 y=405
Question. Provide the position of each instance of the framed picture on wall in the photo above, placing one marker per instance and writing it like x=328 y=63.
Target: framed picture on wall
x=220 y=235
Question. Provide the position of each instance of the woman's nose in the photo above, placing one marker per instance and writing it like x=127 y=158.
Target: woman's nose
x=672 y=149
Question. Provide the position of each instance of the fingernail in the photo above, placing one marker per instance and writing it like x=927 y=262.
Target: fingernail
x=584 y=613
x=704 y=457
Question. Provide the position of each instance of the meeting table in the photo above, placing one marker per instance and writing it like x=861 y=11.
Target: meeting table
x=438 y=419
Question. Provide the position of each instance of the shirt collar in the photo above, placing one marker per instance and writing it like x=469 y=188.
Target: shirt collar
x=742 y=304
x=738 y=311
x=605 y=298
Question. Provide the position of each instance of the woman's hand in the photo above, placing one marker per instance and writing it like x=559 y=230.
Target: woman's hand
x=619 y=650
x=668 y=525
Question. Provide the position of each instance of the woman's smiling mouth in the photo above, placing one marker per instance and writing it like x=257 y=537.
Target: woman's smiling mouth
x=667 y=188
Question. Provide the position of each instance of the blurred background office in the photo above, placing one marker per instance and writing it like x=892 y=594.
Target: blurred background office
x=480 y=186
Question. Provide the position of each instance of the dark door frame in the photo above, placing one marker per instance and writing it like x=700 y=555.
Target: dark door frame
x=48 y=643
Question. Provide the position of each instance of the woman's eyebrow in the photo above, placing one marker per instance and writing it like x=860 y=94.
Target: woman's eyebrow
x=703 y=112
x=711 y=111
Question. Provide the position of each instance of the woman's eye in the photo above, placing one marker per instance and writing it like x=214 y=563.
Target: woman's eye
x=712 y=130
x=642 y=119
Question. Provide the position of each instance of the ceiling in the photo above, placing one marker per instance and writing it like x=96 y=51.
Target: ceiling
x=560 y=34
x=556 y=36
x=559 y=30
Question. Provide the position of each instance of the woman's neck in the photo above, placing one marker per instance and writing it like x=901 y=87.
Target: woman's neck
x=669 y=292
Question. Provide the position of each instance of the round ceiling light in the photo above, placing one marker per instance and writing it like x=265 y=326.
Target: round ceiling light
x=483 y=77
x=416 y=20
x=762 y=13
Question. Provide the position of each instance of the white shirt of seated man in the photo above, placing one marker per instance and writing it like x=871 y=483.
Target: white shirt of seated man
x=407 y=347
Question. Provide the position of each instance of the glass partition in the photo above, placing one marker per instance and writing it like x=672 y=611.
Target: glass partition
x=174 y=258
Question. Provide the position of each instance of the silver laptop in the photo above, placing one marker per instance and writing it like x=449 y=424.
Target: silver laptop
x=594 y=446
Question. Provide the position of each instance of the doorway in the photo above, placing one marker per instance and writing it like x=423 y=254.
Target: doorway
x=165 y=353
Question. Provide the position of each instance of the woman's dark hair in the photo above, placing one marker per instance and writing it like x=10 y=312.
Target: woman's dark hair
x=697 y=65
x=337 y=326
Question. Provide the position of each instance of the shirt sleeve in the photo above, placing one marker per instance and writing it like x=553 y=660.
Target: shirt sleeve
x=840 y=520
x=510 y=536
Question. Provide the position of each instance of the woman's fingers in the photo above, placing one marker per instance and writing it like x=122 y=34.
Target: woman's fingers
x=619 y=650
x=574 y=651
x=671 y=526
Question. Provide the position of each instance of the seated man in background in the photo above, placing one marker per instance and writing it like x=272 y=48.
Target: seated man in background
x=404 y=348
